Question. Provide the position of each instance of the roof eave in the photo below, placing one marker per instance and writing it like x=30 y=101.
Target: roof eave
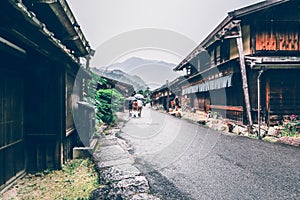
x=233 y=15
x=30 y=17
x=62 y=11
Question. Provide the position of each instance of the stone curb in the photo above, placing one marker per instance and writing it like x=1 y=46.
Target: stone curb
x=118 y=177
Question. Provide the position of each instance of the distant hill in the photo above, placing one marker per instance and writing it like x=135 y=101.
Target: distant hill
x=153 y=72
x=119 y=75
x=133 y=63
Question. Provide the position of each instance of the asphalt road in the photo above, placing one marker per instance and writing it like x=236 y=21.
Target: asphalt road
x=182 y=160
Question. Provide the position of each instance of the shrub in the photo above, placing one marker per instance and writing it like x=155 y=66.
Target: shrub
x=108 y=102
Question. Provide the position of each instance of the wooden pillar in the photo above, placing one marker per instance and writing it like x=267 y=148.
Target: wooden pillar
x=62 y=114
x=244 y=74
x=168 y=99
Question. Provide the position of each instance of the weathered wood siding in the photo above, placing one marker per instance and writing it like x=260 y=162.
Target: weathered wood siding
x=71 y=100
x=283 y=94
x=70 y=137
x=44 y=116
x=246 y=39
x=69 y=143
x=275 y=37
x=280 y=94
x=276 y=29
x=203 y=100
x=12 y=155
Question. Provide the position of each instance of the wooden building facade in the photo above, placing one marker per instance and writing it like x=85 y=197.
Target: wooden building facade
x=250 y=60
x=163 y=95
x=40 y=46
x=124 y=88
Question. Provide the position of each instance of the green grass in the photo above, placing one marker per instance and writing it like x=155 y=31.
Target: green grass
x=76 y=180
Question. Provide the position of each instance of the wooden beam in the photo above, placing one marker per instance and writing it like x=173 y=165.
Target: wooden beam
x=45 y=1
x=231 y=108
x=11 y=45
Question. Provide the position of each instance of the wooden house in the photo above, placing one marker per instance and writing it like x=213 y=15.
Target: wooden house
x=124 y=88
x=250 y=60
x=163 y=95
x=40 y=47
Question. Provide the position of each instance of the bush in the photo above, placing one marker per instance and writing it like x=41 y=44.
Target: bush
x=290 y=128
x=95 y=83
x=108 y=102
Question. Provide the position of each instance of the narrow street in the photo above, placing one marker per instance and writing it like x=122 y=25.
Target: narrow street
x=182 y=160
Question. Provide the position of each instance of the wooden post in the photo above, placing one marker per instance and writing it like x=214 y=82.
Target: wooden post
x=167 y=95
x=244 y=74
x=258 y=102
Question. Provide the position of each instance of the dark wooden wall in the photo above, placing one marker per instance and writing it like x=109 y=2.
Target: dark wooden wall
x=33 y=134
x=70 y=137
x=12 y=156
x=282 y=94
x=44 y=105
x=71 y=100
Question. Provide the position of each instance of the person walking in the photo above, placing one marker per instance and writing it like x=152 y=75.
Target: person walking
x=176 y=102
x=140 y=107
x=130 y=107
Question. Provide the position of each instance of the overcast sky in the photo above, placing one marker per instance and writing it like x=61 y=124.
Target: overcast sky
x=188 y=21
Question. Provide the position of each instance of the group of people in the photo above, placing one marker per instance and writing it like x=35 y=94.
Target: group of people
x=135 y=105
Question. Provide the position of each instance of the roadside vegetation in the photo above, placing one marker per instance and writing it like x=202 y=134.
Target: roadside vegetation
x=76 y=180
x=108 y=101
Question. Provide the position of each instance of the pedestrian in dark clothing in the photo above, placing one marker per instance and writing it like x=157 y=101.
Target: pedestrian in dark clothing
x=176 y=102
x=130 y=107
